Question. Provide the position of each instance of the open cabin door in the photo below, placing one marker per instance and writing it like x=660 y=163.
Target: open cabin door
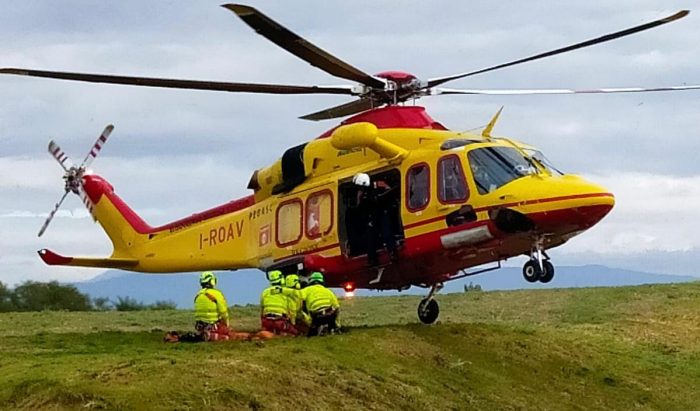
x=353 y=219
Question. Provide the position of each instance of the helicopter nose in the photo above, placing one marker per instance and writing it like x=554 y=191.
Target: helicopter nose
x=584 y=206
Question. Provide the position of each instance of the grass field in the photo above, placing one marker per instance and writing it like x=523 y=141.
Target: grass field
x=597 y=348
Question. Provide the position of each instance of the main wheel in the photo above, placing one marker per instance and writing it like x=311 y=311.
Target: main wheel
x=547 y=273
x=428 y=311
x=531 y=271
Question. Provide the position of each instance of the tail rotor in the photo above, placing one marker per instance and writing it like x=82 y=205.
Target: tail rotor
x=73 y=175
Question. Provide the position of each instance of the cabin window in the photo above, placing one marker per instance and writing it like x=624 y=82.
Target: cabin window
x=319 y=214
x=452 y=186
x=418 y=187
x=289 y=222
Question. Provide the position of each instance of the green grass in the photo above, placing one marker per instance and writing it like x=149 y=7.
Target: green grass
x=597 y=348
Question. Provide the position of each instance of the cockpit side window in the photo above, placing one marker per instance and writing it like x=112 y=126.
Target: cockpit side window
x=452 y=186
x=493 y=167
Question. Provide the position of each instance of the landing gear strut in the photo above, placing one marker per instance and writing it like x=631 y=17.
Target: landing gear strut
x=538 y=268
x=428 y=309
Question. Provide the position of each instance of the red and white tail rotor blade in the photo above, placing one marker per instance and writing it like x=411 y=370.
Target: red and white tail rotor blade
x=523 y=92
x=60 y=156
x=101 y=140
x=53 y=213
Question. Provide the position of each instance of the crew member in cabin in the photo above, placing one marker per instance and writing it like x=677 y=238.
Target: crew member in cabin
x=322 y=305
x=375 y=207
x=275 y=314
x=211 y=310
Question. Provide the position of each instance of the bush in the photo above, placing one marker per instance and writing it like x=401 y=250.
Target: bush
x=101 y=304
x=128 y=304
x=163 y=305
x=471 y=287
x=5 y=299
x=35 y=296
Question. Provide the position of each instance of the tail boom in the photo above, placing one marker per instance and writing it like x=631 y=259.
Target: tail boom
x=217 y=238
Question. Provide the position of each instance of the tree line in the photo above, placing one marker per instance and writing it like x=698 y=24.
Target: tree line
x=52 y=296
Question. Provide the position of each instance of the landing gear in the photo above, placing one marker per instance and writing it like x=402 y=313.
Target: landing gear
x=547 y=272
x=531 y=271
x=428 y=309
x=538 y=268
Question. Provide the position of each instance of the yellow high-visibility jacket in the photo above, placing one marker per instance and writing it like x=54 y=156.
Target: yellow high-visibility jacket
x=273 y=300
x=296 y=303
x=317 y=297
x=210 y=306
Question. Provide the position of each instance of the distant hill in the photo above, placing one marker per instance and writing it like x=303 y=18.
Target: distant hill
x=244 y=286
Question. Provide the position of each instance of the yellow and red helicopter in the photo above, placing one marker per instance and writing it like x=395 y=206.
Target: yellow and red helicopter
x=458 y=200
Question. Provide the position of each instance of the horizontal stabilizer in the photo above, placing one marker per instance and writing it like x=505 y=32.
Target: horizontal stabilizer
x=52 y=258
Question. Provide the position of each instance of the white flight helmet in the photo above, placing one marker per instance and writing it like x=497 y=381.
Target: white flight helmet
x=361 y=179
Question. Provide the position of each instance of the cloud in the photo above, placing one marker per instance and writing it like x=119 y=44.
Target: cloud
x=177 y=152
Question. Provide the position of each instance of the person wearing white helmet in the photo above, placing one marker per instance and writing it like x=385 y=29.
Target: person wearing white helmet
x=361 y=179
x=373 y=202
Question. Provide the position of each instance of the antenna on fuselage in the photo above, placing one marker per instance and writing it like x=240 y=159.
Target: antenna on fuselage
x=489 y=127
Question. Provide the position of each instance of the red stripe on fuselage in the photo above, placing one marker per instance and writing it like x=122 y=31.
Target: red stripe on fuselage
x=520 y=203
x=95 y=186
x=424 y=260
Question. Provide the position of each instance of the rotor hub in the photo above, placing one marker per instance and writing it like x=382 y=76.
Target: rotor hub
x=398 y=77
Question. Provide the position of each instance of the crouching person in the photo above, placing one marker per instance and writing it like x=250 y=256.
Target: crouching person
x=322 y=305
x=274 y=307
x=211 y=310
x=300 y=319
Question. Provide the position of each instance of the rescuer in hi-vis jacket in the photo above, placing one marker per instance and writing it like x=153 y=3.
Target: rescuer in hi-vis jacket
x=300 y=319
x=322 y=305
x=275 y=314
x=211 y=310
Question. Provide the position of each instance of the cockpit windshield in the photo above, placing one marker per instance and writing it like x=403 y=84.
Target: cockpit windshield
x=493 y=167
x=540 y=157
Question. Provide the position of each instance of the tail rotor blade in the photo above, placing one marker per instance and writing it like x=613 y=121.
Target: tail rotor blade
x=53 y=213
x=60 y=156
x=101 y=140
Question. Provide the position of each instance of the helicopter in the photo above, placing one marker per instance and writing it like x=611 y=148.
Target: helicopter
x=460 y=199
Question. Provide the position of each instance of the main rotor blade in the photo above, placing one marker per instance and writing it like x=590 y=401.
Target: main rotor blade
x=101 y=140
x=57 y=153
x=301 y=48
x=342 y=110
x=598 y=40
x=181 y=84
x=52 y=213
x=522 y=92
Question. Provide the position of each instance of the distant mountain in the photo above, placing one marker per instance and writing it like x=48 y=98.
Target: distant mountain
x=244 y=286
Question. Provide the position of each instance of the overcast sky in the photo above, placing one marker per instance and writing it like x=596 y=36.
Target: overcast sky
x=177 y=152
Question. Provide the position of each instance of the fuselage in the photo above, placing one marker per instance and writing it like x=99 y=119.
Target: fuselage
x=462 y=200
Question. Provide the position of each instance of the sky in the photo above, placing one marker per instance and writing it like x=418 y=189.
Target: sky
x=176 y=152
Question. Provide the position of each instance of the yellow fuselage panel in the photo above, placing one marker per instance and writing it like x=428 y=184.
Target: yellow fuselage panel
x=305 y=220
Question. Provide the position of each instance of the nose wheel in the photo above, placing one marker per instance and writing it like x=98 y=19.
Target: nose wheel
x=428 y=308
x=538 y=268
